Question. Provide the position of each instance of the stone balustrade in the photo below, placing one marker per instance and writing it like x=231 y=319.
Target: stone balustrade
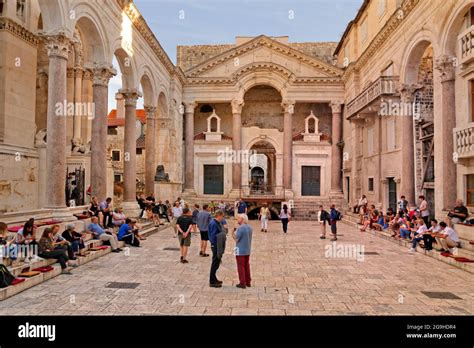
x=466 y=41
x=384 y=85
x=464 y=141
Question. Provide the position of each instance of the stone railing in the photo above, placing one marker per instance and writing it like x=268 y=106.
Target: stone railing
x=464 y=141
x=466 y=41
x=384 y=85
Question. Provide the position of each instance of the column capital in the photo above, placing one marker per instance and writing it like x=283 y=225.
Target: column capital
x=87 y=75
x=407 y=92
x=237 y=106
x=190 y=106
x=102 y=75
x=150 y=111
x=336 y=106
x=131 y=96
x=57 y=45
x=447 y=67
x=70 y=73
x=288 y=106
x=79 y=71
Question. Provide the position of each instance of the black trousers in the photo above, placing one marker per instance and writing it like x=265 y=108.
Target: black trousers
x=131 y=239
x=107 y=218
x=216 y=262
x=68 y=249
x=284 y=222
x=58 y=254
x=428 y=241
x=426 y=219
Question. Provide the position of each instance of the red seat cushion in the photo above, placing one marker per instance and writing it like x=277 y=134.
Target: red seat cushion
x=14 y=229
x=44 y=269
x=17 y=281
x=447 y=255
x=463 y=259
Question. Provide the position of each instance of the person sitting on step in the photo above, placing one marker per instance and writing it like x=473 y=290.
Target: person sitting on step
x=101 y=234
x=128 y=234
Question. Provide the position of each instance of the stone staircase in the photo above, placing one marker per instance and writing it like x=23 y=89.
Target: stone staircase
x=16 y=268
x=308 y=210
x=465 y=233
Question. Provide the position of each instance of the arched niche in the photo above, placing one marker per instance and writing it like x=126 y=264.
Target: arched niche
x=312 y=133
x=213 y=132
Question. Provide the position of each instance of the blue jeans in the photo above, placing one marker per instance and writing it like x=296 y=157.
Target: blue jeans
x=404 y=233
x=416 y=241
x=284 y=222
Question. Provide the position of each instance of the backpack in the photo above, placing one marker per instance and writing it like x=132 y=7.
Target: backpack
x=338 y=215
x=6 y=278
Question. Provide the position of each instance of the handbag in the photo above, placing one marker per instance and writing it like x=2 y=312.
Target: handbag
x=6 y=278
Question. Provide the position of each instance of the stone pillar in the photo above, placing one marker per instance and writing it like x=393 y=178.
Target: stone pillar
x=58 y=52
x=445 y=122
x=87 y=96
x=102 y=76
x=77 y=124
x=237 y=106
x=70 y=99
x=289 y=109
x=150 y=146
x=336 y=151
x=407 y=184
x=130 y=151
x=189 y=147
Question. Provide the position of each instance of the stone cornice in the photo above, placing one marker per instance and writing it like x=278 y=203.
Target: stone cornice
x=19 y=31
x=263 y=41
x=140 y=24
x=383 y=36
x=225 y=81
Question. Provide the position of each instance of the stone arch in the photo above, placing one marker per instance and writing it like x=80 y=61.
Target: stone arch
x=267 y=139
x=451 y=29
x=210 y=120
x=93 y=38
x=127 y=69
x=54 y=14
x=148 y=90
x=162 y=105
x=257 y=78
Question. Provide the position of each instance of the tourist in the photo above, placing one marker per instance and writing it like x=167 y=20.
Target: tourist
x=323 y=220
x=424 y=211
x=148 y=214
x=285 y=217
x=447 y=238
x=176 y=212
x=26 y=238
x=151 y=199
x=102 y=235
x=264 y=216
x=61 y=243
x=222 y=206
x=163 y=211
x=419 y=232
x=202 y=220
x=370 y=219
x=185 y=225
x=243 y=242
x=361 y=203
x=155 y=209
x=7 y=243
x=215 y=228
x=334 y=217
x=128 y=234
x=395 y=228
x=402 y=205
x=429 y=238
x=405 y=228
x=363 y=214
x=195 y=214
x=459 y=212
x=242 y=207
x=94 y=209
x=118 y=217
x=213 y=207
x=74 y=238
x=47 y=250
x=106 y=210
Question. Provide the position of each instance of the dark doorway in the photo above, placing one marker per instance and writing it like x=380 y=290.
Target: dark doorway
x=213 y=179
x=310 y=181
x=392 y=194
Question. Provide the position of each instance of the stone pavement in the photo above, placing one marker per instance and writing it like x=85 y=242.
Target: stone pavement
x=293 y=274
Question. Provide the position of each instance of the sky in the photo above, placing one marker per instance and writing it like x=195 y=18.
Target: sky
x=199 y=22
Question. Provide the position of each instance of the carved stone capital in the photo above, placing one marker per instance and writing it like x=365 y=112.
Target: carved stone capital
x=237 y=106
x=190 y=106
x=131 y=96
x=70 y=73
x=336 y=107
x=103 y=74
x=88 y=75
x=407 y=92
x=288 y=106
x=57 y=45
x=150 y=111
x=446 y=65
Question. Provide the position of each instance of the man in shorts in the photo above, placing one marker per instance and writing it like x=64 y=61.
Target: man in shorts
x=202 y=220
x=184 y=226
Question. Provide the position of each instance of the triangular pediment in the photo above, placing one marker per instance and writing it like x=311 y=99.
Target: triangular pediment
x=263 y=53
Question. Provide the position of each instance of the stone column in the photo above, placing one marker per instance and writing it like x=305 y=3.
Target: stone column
x=237 y=106
x=77 y=125
x=336 y=151
x=87 y=96
x=102 y=76
x=189 y=147
x=130 y=150
x=58 y=52
x=70 y=99
x=407 y=184
x=445 y=122
x=150 y=146
x=288 y=109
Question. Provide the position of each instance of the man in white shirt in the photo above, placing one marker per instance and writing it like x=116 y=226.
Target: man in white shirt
x=420 y=232
x=447 y=238
x=361 y=203
x=424 y=211
x=176 y=211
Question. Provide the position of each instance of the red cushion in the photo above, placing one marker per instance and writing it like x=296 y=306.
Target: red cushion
x=14 y=229
x=103 y=247
x=463 y=259
x=17 y=281
x=44 y=269
x=447 y=255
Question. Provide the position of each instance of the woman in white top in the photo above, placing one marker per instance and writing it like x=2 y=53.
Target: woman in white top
x=264 y=216
x=285 y=217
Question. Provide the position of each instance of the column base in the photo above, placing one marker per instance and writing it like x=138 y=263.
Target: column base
x=189 y=193
x=235 y=193
x=63 y=215
x=131 y=209
x=289 y=194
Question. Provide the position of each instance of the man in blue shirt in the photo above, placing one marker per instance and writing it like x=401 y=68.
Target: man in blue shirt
x=106 y=212
x=100 y=233
x=334 y=217
x=127 y=233
x=215 y=228
x=203 y=219
x=241 y=207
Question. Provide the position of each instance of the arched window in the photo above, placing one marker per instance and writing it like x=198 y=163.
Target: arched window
x=21 y=9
